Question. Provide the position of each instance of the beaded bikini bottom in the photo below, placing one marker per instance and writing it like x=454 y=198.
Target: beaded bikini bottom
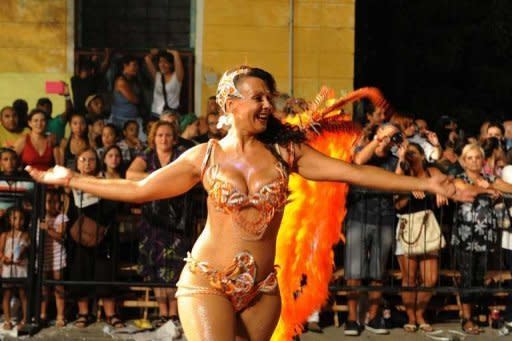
x=237 y=282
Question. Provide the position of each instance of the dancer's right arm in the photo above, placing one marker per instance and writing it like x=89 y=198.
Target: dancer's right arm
x=169 y=181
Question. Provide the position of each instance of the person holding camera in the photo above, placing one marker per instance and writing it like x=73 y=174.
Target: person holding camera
x=418 y=268
x=168 y=77
x=369 y=230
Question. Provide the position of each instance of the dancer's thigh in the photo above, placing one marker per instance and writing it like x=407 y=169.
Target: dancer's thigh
x=207 y=317
x=257 y=323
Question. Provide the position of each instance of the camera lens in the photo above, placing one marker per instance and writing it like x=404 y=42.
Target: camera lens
x=397 y=138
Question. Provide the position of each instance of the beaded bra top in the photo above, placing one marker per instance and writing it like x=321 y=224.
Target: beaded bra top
x=225 y=197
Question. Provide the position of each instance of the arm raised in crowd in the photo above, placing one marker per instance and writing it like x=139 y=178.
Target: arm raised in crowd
x=383 y=135
x=178 y=65
x=69 y=104
x=170 y=181
x=148 y=59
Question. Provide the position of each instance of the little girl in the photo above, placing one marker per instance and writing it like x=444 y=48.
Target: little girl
x=54 y=253
x=13 y=252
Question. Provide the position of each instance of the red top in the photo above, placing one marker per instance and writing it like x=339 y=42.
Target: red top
x=30 y=156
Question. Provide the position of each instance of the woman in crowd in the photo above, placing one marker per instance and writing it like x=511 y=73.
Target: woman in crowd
x=169 y=76
x=127 y=95
x=474 y=231
x=36 y=149
x=412 y=162
x=162 y=245
x=92 y=262
x=112 y=163
x=108 y=138
x=246 y=176
x=95 y=127
x=77 y=141
x=495 y=158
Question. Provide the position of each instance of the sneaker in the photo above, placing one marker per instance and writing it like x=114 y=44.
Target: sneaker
x=352 y=328
x=377 y=326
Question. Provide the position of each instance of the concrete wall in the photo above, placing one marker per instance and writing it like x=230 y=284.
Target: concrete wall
x=36 y=44
x=257 y=33
x=34 y=47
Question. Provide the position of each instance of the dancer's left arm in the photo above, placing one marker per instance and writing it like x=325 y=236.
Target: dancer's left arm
x=316 y=166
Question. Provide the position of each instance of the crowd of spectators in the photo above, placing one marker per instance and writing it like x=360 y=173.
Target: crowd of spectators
x=475 y=232
x=110 y=132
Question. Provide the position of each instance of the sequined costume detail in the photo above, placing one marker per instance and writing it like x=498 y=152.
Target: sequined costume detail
x=227 y=198
x=237 y=282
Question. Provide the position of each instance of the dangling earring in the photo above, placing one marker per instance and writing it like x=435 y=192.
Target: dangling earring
x=225 y=121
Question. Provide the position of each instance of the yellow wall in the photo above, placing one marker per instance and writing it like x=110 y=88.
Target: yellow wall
x=33 y=49
x=257 y=33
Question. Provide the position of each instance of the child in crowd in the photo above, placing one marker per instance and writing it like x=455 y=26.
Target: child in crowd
x=96 y=125
x=77 y=141
x=54 y=224
x=8 y=162
x=108 y=138
x=130 y=142
x=13 y=252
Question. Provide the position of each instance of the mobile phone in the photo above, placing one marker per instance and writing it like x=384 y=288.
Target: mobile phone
x=54 y=87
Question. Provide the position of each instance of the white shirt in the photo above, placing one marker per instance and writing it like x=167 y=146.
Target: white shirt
x=172 y=88
x=431 y=153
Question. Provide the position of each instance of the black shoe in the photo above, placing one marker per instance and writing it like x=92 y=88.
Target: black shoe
x=314 y=327
x=352 y=328
x=377 y=326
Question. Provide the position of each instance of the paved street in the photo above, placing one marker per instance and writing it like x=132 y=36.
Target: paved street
x=95 y=333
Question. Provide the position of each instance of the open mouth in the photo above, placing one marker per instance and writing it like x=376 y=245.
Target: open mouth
x=262 y=117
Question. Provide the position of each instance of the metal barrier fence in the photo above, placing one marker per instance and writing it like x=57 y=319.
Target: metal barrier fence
x=109 y=266
x=116 y=263
x=369 y=229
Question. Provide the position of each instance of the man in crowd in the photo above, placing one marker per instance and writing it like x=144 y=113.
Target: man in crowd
x=212 y=119
x=9 y=128
x=56 y=126
x=369 y=230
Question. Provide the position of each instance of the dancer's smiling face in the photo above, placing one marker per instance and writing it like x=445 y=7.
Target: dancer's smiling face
x=253 y=108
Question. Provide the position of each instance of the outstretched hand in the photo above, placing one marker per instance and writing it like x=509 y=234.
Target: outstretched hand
x=57 y=175
x=442 y=184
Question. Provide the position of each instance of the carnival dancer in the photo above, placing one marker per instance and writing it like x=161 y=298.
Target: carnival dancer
x=228 y=288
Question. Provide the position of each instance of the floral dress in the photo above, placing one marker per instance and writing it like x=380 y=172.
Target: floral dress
x=475 y=222
x=162 y=244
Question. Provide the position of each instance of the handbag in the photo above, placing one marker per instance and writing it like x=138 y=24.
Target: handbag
x=419 y=233
x=87 y=232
